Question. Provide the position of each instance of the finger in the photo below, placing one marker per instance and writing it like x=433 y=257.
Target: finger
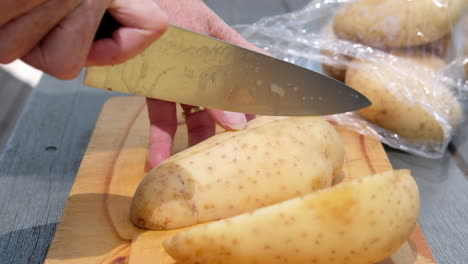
x=217 y=28
x=143 y=22
x=10 y=9
x=250 y=117
x=200 y=126
x=22 y=34
x=63 y=52
x=228 y=120
x=163 y=126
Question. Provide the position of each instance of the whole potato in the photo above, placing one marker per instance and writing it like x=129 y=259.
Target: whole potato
x=443 y=48
x=397 y=23
x=397 y=91
x=420 y=57
x=333 y=70
x=359 y=221
x=272 y=160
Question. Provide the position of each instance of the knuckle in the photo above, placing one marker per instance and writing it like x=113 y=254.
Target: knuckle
x=217 y=28
x=160 y=25
x=212 y=24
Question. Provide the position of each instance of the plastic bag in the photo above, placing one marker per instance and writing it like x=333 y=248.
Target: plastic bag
x=410 y=69
x=464 y=28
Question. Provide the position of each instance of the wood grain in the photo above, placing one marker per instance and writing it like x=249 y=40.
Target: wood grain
x=95 y=227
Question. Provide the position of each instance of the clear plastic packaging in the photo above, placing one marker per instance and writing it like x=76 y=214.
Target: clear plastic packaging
x=405 y=56
x=464 y=28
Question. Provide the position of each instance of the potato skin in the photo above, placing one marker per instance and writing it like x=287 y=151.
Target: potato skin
x=443 y=48
x=385 y=87
x=333 y=71
x=338 y=73
x=274 y=159
x=359 y=221
x=396 y=23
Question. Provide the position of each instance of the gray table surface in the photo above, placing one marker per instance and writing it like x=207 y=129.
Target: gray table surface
x=41 y=157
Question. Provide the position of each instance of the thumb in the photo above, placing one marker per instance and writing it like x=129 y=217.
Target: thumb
x=142 y=23
x=220 y=30
x=228 y=120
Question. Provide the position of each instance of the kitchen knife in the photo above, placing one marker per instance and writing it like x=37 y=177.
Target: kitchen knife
x=190 y=68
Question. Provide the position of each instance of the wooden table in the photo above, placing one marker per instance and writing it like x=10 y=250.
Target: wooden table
x=41 y=158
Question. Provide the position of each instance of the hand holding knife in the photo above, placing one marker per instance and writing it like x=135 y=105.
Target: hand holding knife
x=216 y=74
x=198 y=70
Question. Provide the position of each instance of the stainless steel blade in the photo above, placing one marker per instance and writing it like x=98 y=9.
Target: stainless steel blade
x=190 y=68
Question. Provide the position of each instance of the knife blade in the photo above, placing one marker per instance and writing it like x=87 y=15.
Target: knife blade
x=191 y=68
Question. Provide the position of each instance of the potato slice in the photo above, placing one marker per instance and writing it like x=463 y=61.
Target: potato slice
x=359 y=221
x=274 y=159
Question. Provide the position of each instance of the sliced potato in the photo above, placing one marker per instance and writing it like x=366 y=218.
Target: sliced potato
x=274 y=159
x=355 y=222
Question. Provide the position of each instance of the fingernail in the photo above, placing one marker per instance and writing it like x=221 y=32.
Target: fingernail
x=235 y=121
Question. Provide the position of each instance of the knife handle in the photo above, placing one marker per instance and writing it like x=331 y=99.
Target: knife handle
x=107 y=27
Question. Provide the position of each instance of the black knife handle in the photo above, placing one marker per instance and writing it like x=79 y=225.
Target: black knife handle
x=107 y=27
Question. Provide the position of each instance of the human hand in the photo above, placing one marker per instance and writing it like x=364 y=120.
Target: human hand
x=196 y=16
x=57 y=36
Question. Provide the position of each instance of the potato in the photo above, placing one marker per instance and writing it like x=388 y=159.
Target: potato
x=338 y=73
x=426 y=54
x=359 y=221
x=443 y=48
x=385 y=86
x=423 y=59
x=334 y=71
x=397 y=23
x=274 y=159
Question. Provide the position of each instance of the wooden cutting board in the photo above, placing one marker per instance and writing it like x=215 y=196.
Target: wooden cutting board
x=95 y=226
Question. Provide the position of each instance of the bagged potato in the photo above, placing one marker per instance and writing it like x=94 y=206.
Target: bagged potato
x=397 y=23
x=336 y=69
x=413 y=105
x=336 y=63
x=272 y=160
x=386 y=25
x=359 y=221
x=333 y=37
